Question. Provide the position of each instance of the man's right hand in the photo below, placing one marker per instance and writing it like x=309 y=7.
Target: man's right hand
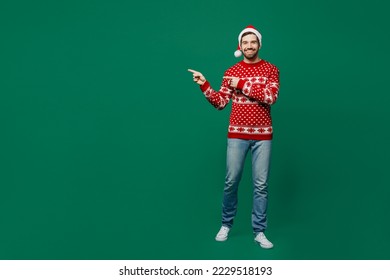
x=198 y=77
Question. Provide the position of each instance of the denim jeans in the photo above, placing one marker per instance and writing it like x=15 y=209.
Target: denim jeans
x=237 y=150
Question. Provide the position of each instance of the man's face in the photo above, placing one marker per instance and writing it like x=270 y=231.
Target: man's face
x=250 y=46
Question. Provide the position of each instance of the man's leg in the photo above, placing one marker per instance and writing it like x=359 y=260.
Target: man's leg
x=235 y=159
x=261 y=154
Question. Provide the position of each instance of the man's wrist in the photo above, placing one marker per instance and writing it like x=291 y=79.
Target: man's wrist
x=204 y=86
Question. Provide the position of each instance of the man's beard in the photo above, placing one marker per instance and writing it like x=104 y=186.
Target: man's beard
x=251 y=56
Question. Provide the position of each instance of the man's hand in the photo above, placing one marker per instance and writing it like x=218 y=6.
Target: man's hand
x=233 y=81
x=198 y=77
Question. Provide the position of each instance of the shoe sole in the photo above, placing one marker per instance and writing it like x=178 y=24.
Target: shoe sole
x=264 y=246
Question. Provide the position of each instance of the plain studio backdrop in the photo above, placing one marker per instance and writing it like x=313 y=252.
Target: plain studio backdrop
x=110 y=151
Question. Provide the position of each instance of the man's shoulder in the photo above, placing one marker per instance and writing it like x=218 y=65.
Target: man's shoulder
x=233 y=68
x=270 y=65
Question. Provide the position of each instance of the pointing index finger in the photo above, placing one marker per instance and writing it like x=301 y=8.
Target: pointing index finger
x=193 y=71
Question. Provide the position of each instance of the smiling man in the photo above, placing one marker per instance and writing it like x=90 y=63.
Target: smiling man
x=253 y=85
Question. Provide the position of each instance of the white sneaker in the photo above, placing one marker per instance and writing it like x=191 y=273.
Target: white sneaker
x=263 y=241
x=222 y=234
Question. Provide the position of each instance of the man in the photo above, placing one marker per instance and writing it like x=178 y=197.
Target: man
x=253 y=86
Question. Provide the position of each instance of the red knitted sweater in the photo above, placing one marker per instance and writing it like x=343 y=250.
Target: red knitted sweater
x=256 y=91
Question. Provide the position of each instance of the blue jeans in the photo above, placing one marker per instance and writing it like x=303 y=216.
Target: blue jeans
x=237 y=150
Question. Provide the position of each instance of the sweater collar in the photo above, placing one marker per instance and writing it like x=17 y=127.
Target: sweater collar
x=252 y=64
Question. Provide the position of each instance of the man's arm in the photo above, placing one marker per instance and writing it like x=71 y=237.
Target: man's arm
x=219 y=99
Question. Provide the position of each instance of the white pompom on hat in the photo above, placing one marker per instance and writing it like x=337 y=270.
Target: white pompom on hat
x=249 y=28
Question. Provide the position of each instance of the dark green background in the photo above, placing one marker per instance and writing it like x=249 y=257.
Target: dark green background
x=109 y=151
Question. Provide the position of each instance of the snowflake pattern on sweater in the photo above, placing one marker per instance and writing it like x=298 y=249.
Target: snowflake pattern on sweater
x=256 y=91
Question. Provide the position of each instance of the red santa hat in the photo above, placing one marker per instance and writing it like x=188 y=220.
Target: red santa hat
x=249 y=28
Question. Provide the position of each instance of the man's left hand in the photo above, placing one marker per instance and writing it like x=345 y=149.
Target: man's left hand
x=233 y=81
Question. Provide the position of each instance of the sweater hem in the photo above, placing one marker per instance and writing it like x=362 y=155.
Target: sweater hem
x=250 y=136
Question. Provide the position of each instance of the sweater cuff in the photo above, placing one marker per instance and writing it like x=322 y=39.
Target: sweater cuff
x=205 y=86
x=240 y=84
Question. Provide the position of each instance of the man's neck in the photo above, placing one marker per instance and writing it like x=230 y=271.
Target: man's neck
x=252 y=60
